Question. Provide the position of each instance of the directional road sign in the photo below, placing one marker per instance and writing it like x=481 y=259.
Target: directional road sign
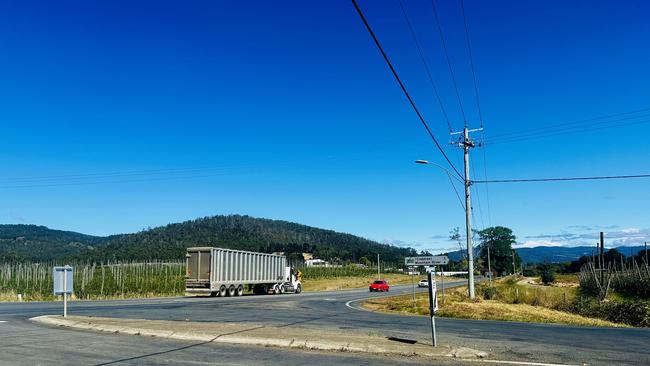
x=436 y=260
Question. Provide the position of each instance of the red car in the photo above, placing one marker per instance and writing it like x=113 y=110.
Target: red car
x=379 y=285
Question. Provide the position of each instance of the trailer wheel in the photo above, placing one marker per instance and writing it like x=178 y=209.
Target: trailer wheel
x=299 y=289
x=281 y=289
x=222 y=291
x=240 y=290
x=264 y=290
x=231 y=290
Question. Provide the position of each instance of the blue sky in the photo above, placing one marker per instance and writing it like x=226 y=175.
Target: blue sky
x=121 y=115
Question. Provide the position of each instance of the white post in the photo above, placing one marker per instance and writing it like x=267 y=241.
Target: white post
x=65 y=293
x=378 y=270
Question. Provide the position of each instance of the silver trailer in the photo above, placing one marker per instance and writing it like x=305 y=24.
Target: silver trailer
x=227 y=272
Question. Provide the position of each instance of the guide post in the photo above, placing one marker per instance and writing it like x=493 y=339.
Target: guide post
x=432 y=308
x=430 y=261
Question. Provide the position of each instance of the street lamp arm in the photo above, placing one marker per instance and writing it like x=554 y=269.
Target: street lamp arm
x=449 y=173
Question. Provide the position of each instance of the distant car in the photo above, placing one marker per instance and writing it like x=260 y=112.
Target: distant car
x=423 y=283
x=379 y=285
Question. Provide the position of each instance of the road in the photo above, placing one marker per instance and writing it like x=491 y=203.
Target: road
x=25 y=343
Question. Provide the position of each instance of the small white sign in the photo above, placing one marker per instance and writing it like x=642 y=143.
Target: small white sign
x=435 y=260
x=434 y=291
x=63 y=280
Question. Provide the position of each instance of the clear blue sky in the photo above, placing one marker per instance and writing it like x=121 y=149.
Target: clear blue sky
x=286 y=110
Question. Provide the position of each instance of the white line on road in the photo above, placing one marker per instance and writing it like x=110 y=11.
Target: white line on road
x=3 y=321
x=501 y=362
x=358 y=308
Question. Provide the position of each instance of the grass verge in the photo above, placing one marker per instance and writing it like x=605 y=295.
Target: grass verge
x=511 y=304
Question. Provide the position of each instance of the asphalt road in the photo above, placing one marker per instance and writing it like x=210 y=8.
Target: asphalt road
x=25 y=343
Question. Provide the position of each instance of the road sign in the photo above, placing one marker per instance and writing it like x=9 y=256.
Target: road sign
x=435 y=260
x=63 y=284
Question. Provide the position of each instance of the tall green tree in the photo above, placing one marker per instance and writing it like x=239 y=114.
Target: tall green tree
x=499 y=239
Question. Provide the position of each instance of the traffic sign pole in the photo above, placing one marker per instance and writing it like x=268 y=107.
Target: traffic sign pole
x=432 y=309
x=65 y=294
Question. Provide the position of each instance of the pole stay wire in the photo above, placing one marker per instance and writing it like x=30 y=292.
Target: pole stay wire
x=399 y=81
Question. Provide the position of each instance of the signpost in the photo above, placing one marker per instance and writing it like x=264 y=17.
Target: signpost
x=63 y=285
x=431 y=261
x=434 y=260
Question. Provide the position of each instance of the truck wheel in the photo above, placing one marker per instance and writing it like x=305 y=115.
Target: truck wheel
x=281 y=289
x=264 y=290
x=213 y=293
x=240 y=290
x=299 y=289
x=276 y=290
x=231 y=290
x=222 y=291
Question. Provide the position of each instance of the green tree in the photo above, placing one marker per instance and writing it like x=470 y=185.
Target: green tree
x=547 y=273
x=499 y=239
x=365 y=261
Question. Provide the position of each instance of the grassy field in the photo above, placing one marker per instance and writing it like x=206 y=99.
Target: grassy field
x=509 y=302
x=349 y=282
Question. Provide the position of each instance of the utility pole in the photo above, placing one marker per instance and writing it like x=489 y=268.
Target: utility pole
x=602 y=257
x=514 y=268
x=378 y=270
x=489 y=267
x=645 y=243
x=467 y=144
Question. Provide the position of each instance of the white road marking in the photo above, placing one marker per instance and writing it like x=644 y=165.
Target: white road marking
x=501 y=362
x=348 y=304
x=3 y=321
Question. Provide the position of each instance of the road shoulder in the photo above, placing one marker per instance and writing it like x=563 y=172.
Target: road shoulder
x=260 y=335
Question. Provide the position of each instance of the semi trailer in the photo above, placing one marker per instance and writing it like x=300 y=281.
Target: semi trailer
x=226 y=272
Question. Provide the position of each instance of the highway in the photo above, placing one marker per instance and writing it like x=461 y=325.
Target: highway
x=26 y=343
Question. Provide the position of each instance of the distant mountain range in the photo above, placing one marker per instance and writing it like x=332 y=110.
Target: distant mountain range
x=555 y=254
x=39 y=243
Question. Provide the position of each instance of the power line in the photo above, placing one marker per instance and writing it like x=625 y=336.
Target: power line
x=480 y=114
x=399 y=81
x=451 y=70
x=598 y=127
x=471 y=62
x=572 y=126
x=456 y=191
x=426 y=66
x=604 y=177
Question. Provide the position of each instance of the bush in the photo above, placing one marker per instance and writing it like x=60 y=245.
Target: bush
x=547 y=274
x=489 y=293
x=631 y=312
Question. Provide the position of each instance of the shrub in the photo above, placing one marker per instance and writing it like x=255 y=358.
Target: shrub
x=489 y=293
x=547 y=274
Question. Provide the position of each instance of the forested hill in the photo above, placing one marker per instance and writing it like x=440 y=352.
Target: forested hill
x=245 y=233
x=39 y=243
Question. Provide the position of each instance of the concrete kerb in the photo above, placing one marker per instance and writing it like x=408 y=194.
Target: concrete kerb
x=299 y=338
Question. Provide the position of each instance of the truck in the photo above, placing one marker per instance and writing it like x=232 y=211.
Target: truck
x=227 y=272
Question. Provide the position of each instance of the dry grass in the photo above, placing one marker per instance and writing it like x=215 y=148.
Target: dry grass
x=342 y=283
x=458 y=305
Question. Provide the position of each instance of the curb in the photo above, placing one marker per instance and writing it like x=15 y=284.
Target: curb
x=296 y=343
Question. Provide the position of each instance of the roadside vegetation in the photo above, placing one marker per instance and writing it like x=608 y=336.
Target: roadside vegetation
x=507 y=299
x=33 y=281
x=132 y=279
x=350 y=282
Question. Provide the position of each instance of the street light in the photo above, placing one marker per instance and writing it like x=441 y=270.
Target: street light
x=468 y=226
x=447 y=171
